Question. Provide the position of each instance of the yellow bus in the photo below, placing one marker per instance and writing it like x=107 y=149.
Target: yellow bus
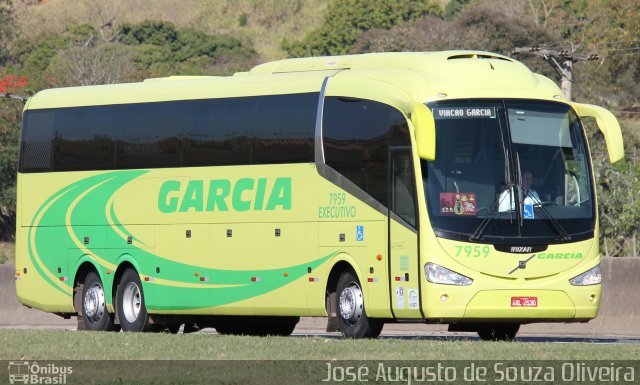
x=447 y=187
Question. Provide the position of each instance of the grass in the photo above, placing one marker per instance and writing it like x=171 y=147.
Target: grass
x=8 y=253
x=75 y=345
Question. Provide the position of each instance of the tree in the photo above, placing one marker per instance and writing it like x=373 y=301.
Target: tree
x=479 y=27
x=453 y=7
x=7 y=30
x=345 y=20
x=617 y=186
x=10 y=116
x=615 y=33
x=10 y=83
x=160 y=49
x=89 y=60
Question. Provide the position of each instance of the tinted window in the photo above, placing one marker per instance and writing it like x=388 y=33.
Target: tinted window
x=403 y=190
x=517 y=173
x=37 y=141
x=284 y=128
x=229 y=131
x=149 y=134
x=356 y=135
x=220 y=133
x=252 y=130
x=84 y=138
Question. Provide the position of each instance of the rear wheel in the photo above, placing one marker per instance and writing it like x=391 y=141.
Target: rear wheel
x=352 y=316
x=498 y=332
x=132 y=312
x=94 y=308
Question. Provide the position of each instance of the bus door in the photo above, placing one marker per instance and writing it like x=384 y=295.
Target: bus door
x=403 y=236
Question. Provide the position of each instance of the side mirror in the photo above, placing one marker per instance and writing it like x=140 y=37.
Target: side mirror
x=608 y=125
x=425 y=127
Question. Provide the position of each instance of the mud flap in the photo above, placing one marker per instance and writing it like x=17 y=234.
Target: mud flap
x=77 y=305
x=332 y=322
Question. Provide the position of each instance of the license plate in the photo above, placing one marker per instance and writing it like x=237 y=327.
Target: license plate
x=524 y=301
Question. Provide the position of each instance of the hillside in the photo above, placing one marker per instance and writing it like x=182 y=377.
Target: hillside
x=263 y=23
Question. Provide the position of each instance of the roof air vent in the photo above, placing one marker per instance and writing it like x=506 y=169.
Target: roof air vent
x=477 y=56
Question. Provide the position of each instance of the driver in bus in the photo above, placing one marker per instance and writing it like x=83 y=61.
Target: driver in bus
x=506 y=200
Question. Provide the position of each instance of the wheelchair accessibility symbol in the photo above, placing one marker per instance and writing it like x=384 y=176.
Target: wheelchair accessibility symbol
x=527 y=213
x=359 y=233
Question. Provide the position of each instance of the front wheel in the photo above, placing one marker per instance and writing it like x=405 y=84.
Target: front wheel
x=352 y=316
x=94 y=308
x=498 y=332
x=130 y=303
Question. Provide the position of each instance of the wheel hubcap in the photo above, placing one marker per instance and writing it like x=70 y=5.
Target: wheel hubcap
x=131 y=302
x=351 y=303
x=94 y=306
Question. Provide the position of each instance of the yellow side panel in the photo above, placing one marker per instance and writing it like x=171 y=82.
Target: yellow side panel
x=363 y=242
x=405 y=274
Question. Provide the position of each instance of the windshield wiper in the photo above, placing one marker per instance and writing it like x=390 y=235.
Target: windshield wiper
x=546 y=215
x=548 y=218
x=482 y=227
x=520 y=190
x=478 y=233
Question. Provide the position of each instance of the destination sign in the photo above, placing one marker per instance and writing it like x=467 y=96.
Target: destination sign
x=464 y=113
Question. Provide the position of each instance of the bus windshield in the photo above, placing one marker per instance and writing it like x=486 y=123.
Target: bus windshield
x=509 y=171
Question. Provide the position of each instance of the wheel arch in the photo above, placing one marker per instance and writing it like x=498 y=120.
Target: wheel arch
x=360 y=327
x=337 y=269
x=341 y=263
x=126 y=261
x=85 y=265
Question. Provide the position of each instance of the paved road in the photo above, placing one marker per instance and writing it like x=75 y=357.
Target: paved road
x=445 y=336
x=310 y=327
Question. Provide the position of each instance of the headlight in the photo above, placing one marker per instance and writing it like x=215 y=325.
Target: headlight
x=439 y=274
x=589 y=277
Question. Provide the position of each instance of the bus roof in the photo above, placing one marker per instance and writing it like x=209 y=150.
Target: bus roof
x=422 y=76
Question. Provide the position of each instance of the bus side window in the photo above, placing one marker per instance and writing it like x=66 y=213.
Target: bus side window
x=38 y=133
x=85 y=138
x=149 y=135
x=220 y=134
x=403 y=200
x=357 y=134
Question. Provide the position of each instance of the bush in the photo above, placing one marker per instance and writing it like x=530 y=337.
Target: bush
x=345 y=20
x=161 y=49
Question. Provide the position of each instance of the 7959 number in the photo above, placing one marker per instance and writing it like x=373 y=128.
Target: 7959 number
x=472 y=251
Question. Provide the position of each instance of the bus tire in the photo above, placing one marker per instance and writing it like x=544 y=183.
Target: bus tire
x=498 y=331
x=132 y=312
x=352 y=316
x=95 y=315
